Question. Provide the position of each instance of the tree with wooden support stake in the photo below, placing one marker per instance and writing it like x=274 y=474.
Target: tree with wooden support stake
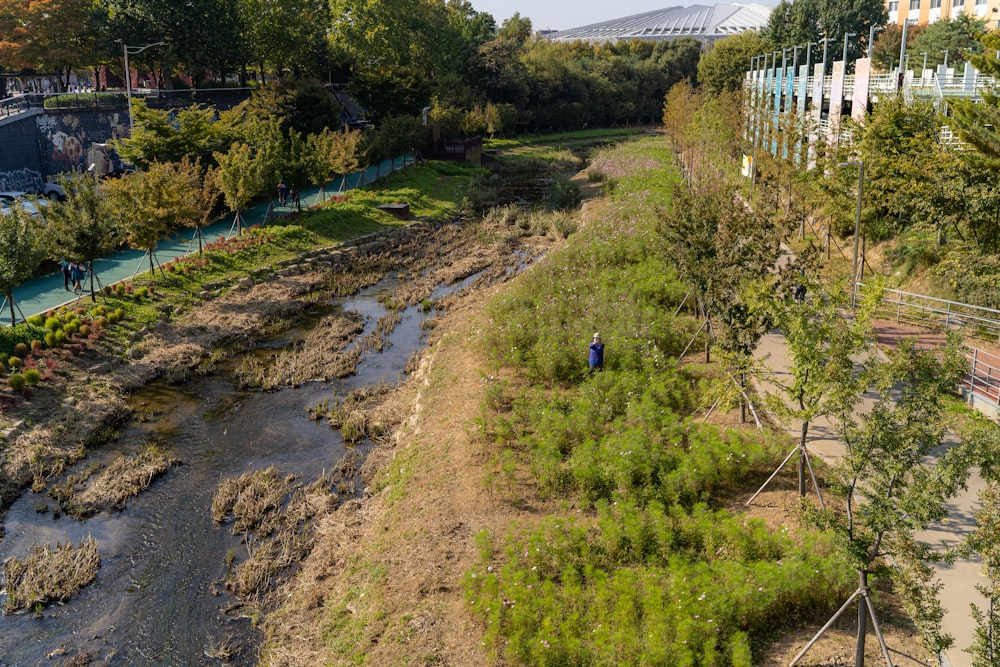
x=822 y=380
x=896 y=477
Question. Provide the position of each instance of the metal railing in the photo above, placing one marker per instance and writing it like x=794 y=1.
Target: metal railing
x=929 y=311
x=983 y=380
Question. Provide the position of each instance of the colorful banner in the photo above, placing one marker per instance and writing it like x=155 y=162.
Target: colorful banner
x=862 y=78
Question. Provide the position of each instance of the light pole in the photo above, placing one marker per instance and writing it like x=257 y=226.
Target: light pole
x=945 y=52
x=860 y=164
x=871 y=37
x=924 y=67
x=847 y=36
x=132 y=50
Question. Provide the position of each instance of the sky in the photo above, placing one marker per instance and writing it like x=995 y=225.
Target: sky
x=564 y=14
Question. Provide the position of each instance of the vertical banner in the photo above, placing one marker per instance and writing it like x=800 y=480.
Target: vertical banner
x=816 y=114
x=801 y=95
x=862 y=78
x=779 y=73
x=836 y=101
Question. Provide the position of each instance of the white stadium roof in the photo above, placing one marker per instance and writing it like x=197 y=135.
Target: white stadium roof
x=702 y=22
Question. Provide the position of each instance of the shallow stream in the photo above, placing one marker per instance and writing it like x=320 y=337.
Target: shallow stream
x=159 y=597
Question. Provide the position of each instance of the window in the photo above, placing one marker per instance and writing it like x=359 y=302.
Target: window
x=980 y=3
x=894 y=6
x=935 y=4
x=914 y=5
x=958 y=3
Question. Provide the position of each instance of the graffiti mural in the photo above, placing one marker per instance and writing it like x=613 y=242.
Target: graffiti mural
x=21 y=180
x=67 y=141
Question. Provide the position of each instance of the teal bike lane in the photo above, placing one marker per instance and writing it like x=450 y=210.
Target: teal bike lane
x=44 y=293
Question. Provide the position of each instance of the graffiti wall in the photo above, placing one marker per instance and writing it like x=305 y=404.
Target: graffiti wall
x=74 y=141
x=36 y=147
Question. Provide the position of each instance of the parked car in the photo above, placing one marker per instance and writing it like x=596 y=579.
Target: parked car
x=52 y=190
x=22 y=199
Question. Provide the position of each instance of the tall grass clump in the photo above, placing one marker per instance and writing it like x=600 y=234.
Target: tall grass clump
x=655 y=571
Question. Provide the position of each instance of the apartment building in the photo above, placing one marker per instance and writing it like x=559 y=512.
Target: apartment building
x=928 y=11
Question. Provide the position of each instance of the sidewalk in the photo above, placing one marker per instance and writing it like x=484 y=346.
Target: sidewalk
x=959 y=579
x=47 y=292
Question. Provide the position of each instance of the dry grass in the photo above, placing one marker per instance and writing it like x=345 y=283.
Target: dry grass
x=49 y=574
x=125 y=477
x=249 y=498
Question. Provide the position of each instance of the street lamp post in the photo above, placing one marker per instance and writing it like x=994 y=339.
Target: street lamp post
x=945 y=52
x=133 y=50
x=847 y=36
x=924 y=67
x=860 y=164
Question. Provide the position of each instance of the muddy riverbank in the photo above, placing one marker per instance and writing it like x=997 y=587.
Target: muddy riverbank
x=303 y=335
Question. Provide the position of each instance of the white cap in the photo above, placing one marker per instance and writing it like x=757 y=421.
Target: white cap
x=597 y=336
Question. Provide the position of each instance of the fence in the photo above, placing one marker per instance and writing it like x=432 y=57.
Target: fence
x=982 y=384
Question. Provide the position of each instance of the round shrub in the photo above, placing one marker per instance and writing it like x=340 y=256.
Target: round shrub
x=50 y=339
x=15 y=362
x=101 y=310
x=53 y=323
x=60 y=337
x=36 y=320
x=120 y=289
x=142 y=292
x=79 y=311
x=32 y=377
x=71 y=328
x=120 y=314
x=84 y=330
x=21 y=350
x=16 y=381
x=37 y=346
x=99 y=323
x=108 y=289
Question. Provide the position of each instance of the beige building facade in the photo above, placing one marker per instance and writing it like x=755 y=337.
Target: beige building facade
x=923 y=12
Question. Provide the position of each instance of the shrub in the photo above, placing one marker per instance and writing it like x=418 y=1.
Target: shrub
x=32 y=377
x=53 y=323
x=84 y=330
x=15 y=362
x=141 y=292
x=563 y=194
x=37 y=346
x=101 y=310
x=70 y=328
x=36 y=320
x=59 y=337
x=16 y=381
x=50 y=339
x=21 y=350
x=120 y=289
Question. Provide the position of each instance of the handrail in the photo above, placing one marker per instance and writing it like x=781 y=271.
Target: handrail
x=934 y=311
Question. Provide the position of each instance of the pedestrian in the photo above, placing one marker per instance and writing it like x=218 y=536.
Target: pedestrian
x=799 y=293
x=65 y=267
x=282 y=193
x=78 y=273
x=596 y=354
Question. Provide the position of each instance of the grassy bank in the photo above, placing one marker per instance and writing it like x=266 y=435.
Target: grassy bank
x=650 y=569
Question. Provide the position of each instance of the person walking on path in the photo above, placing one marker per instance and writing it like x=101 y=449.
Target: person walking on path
x=79 y=273
x=282 y=193
x=65 y=267
x=596 y=354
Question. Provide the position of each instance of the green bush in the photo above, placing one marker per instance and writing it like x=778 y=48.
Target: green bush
x=563 y=194
x=53 y=323
x=50 y=339
x=21 y=350
x=15 y=362
x=59 y=337
x=141 y=292
x=32 y=377
x=16 y=382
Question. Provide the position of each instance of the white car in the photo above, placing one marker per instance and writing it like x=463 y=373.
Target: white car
x=22 y=199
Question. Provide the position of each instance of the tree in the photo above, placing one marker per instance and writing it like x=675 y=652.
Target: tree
x=202 y=183
x=21 y=251
x=168 y=136
x=240 y=177
x=46 y=35
x=803 y=21
x=345 y=153
x=959 y=36
x=724 y=66
x=822 y=345
x=149 y=205
x=896 y=479
x=299 y=162
x=81 y=228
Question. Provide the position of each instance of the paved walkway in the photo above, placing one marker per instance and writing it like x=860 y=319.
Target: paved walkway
x=959 y=579
x=47 y=292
